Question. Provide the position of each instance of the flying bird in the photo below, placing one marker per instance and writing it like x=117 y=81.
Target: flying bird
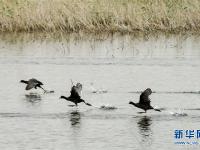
x=144 y=102
x=75 y=96
x=33 y=83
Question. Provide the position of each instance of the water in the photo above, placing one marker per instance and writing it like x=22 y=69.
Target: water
x=113 y=70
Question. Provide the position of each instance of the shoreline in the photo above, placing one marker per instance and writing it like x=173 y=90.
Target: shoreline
x=57 y=36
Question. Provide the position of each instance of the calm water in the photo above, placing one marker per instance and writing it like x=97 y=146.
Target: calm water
x=122 y=66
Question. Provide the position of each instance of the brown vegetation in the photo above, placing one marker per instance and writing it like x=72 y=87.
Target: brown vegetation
x=99 y=15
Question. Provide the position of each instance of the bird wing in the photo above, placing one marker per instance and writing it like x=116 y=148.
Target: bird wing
x=32 y=83
x=79 y=88
x=35 y=81
x=30 y=86
x=144 y=99
x=74 y=92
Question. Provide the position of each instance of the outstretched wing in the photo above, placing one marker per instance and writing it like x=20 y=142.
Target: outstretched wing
x=74 y=93
x=144 y=99
x=79 y=88
x=35 y=81
x=31 y=85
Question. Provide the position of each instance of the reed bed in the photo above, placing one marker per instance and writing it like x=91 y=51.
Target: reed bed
x=99 y=15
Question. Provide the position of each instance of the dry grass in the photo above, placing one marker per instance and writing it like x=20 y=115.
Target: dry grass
x=99 y=15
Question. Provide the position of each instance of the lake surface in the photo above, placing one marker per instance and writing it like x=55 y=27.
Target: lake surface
x=113 y=70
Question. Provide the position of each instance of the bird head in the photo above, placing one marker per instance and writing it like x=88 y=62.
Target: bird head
x=132 y=103
x=148 y=91
x=23 y=81
x=61 y=97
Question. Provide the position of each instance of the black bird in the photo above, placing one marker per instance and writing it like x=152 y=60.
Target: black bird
x=75 y=95
x=144 y=102
x=33 y=83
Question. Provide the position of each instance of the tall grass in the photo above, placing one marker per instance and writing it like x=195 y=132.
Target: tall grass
x=99 y=15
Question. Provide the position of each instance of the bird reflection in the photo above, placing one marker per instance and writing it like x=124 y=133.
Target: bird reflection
x=144 y=125
x=75 y=117
x=33 y=97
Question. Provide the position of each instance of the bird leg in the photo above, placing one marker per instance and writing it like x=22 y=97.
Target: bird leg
x=45 y=91
x=157 y=109
x=87 y=103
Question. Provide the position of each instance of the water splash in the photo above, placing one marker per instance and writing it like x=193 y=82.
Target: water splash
x=179 y=113
x=92 y=89
x=107 y=107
